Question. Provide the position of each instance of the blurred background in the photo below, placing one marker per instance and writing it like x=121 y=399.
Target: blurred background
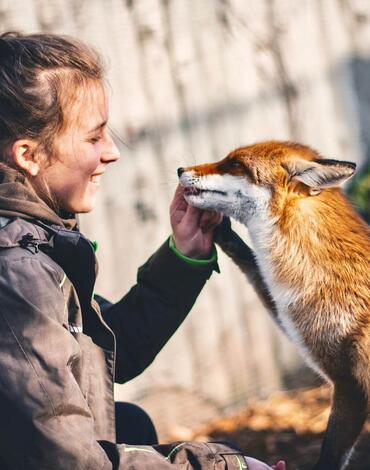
x=190 y=80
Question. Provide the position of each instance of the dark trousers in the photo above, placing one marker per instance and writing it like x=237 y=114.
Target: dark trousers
x=133 y=425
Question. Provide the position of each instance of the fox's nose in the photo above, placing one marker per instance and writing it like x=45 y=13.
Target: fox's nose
x=180 y=171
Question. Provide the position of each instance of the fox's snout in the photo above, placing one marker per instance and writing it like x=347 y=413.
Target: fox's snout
x=180 y=171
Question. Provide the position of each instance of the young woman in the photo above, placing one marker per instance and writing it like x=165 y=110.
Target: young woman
x=61 y=347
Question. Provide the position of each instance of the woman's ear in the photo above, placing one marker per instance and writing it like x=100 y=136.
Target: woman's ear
x=23 y=154
x=319 y=174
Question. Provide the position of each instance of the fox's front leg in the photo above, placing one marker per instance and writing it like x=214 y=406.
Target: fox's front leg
x=243 y=257
x=347 y=417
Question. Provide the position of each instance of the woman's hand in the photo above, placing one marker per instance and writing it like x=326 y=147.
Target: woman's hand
x=254 y=464
x=279 y=466
x=192 y=228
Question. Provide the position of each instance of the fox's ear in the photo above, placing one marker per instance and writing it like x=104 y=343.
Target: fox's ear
x=319 y=174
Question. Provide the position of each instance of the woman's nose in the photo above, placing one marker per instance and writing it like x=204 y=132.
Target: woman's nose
x=111 y=152
x=180 y=171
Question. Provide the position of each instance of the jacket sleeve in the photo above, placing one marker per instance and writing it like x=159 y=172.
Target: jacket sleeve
x=45 y=420
x=145 y=319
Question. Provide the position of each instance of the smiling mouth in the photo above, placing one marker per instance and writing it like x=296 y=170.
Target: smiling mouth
x=95 y=178
x=191 y=191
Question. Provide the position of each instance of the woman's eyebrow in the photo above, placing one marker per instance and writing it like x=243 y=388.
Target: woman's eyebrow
x=99 y=126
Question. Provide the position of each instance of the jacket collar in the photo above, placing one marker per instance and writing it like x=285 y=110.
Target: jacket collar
x=69 y=248
x=19 y=199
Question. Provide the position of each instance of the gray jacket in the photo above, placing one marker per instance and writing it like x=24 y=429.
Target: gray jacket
x=60 y=353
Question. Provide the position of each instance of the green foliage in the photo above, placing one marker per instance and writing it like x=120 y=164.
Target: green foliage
x=359 y=191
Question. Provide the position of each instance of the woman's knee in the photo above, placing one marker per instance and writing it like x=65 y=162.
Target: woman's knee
x=134 y=425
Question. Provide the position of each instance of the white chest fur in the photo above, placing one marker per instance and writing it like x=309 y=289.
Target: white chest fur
x=284 y=296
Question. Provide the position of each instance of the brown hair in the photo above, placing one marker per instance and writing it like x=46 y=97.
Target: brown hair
x=40 y=75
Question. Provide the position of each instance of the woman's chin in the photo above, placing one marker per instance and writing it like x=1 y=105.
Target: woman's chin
x=82 y=206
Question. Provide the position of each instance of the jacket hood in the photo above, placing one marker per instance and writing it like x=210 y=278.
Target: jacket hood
x=19 y=199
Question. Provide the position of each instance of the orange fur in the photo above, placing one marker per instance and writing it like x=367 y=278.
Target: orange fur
x=318 y=252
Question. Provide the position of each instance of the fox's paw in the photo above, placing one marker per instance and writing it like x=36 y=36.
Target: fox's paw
x=223 y=231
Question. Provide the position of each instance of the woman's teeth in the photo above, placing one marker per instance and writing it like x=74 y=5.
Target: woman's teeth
x=95 y=179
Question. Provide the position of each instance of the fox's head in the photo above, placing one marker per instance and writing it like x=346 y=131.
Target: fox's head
x=261 y=178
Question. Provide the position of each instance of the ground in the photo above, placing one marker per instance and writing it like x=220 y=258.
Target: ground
x=287 y=425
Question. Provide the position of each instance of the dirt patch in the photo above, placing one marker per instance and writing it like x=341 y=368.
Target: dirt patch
x=287 y=425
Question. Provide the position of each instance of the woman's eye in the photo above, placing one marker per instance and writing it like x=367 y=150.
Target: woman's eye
x=96 y=139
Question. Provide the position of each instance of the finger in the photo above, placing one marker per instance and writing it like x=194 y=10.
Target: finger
x=179 y=190
x=178 y=197
x=178 y=203
x=192 y=216
x=178 y=206
x=219 y=218
x=210 y=220
x=280 y=465
x=255 y=464
x=208 y=217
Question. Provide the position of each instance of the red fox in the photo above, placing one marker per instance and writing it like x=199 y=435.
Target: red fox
x=311 y=264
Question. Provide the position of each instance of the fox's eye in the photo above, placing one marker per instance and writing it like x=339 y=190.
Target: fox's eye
x=235 y=164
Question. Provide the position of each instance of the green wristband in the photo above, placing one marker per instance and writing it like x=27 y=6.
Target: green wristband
x=193 y=261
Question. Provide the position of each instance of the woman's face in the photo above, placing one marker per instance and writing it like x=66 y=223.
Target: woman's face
x=83 y=151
